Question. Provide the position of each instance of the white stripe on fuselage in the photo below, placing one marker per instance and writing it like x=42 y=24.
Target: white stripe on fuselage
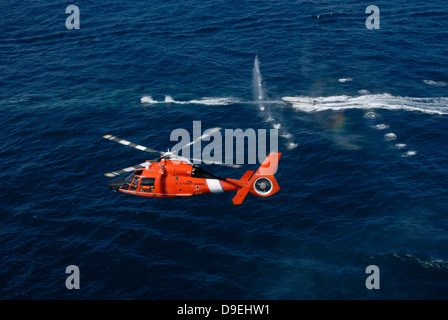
x=214 y=185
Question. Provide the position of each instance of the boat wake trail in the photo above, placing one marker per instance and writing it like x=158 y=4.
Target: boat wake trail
x=210 y=101
x=369 y=101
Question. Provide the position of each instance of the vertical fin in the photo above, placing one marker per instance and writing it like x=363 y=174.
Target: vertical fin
x=246 y=177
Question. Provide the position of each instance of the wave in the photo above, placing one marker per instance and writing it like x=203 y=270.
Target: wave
x=436 y=83
x=404 y=261
x=437 y=264
x=370 y=101
x=331 y=14
x=345 y=79
x=210 y=101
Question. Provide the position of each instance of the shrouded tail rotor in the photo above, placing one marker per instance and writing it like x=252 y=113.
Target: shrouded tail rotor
x=262 y=183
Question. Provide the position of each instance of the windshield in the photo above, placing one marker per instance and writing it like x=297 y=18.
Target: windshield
x=129 y=178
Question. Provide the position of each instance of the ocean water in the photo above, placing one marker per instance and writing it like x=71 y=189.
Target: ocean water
x=363 y=172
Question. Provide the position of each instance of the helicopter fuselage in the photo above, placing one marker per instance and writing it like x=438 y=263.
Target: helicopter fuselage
x=172 y=178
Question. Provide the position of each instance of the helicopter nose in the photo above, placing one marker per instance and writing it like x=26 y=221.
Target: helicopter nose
x=116 y=184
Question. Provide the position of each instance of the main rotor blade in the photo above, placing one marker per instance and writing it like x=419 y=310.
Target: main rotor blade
x=129 y=169
x=130 y=144
x=210 y=132
x=218 y=163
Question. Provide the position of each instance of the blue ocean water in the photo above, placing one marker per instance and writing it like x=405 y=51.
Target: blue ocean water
x=363 y=173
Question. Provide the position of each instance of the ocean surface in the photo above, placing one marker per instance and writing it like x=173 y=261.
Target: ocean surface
x=363 y=172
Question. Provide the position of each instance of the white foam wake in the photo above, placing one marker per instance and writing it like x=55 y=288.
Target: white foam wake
x=147 y=99
x=370 y=101
x=410 y=153
x=169 y=99
x=390 y=136
x=210 y=101
x=382 y=126
x=214 y=101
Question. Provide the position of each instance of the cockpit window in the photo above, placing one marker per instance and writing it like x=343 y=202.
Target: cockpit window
x=147 y=182
x=138 y=172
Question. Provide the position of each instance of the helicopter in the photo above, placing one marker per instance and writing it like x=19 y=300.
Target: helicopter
x=171 y=175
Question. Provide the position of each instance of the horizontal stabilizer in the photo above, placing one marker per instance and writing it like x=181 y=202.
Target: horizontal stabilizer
x=240 y=195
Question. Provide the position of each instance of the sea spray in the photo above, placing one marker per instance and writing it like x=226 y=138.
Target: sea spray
x=257 y=86
x=260 y=98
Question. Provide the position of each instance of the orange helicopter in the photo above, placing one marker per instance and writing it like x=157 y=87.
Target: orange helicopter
x=171 y=176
